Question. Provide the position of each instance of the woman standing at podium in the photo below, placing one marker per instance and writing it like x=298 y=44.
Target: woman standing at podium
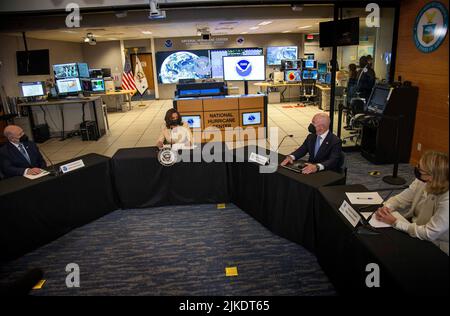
x=174 y=131
x=425 y=201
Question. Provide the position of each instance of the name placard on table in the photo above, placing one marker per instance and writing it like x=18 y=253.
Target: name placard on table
x=349 y=213
x=71 y=166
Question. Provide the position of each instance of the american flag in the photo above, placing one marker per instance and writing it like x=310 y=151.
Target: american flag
x=128 y=82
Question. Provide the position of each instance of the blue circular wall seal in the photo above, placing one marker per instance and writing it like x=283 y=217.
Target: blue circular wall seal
x=168 y=43
x=430 y=27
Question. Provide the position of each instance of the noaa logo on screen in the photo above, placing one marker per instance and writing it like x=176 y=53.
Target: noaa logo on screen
x=430 y=27
x=168 y=43
x=190 y=121
x=243 y=67
x=251 y=118
x=167 y=157
x=65 y=168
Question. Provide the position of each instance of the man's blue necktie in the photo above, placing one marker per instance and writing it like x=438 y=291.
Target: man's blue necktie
x=24 y=153
x=316 y=149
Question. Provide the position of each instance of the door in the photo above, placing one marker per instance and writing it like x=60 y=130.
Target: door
x=147 y=66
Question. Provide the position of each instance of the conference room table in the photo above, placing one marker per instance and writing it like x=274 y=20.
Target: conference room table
x=141 y=181
x=283 y=201
x=36 y=212
x=407 y=265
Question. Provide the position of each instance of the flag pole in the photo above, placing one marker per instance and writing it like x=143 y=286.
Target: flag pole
x=136 y=53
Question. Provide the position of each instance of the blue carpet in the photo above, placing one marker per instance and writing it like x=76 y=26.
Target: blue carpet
x=359 y=168
x=179 y=250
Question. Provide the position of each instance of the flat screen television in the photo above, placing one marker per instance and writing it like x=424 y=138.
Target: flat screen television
x=218 y=54
x=187 y=64
x=310 y=74
x=275 y=54
x=340 y=33
x=247 y=68
x=33 y=62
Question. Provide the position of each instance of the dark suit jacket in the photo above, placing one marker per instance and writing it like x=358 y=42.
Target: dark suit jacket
x=13 y=163
x=329 y=154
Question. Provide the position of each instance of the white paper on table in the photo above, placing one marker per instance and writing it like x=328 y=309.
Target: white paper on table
x=367 y=198
x=37 y=176
x=378 y=224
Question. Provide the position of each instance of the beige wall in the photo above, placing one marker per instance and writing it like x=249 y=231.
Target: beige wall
x=105 y=55
x=60 y=52
x=166 y=91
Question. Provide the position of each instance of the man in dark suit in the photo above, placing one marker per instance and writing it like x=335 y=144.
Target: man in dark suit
x=19 y=156
x=324 y=148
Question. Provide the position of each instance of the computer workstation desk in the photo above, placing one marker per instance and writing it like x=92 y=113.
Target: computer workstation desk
x=76 y=108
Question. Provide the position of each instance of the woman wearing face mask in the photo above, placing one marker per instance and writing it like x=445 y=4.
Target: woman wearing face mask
x=174 y=130
x=425 y=201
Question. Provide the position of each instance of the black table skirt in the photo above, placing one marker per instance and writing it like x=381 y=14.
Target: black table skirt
x=282 y=201
x=407 y=265
x=35 y=212
x=141 y=181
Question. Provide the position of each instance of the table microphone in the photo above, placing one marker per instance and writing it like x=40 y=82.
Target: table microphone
x=52 y=170
x=271 y=148
x=283 y=140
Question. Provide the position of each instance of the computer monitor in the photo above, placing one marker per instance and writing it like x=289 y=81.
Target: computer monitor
x=63 y=71
x=251 y=118
x=32 y=89
x=378 y=99
x=68 y=86
x=83 y=70
x=322 y=67
x=292 y=75
x=98 y=85
x=106 y=72
x=194 y=121
x=291 y=64
x=95 y=73
x=309 y=64
x=328 y=78
x=309 y=74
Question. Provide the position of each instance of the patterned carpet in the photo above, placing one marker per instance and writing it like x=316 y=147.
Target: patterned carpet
x=180 y=250
x=184 y=250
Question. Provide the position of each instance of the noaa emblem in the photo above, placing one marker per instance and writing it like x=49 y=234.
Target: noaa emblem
x=243 y=67
x=240 y=40
x=65 y=168
x=167 y=157
x=251 y=118
x=430 y=27
x=168 y=43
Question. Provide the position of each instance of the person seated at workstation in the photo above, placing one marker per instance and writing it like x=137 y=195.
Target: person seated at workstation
x=19 y=156
x=425 y=202
x=174 y=130
x=324 y=148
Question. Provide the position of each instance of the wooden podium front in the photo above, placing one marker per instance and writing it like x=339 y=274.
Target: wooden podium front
x=245 y=112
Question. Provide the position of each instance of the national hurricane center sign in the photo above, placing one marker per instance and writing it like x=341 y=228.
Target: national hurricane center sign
x=430 y=27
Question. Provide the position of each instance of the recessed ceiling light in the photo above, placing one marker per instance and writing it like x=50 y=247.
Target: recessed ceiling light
x=254 y=28
x=304 y=27
x=146 y=32
x=112 y=39
x=244 y=33
x=265 y=23
x=286 y=32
